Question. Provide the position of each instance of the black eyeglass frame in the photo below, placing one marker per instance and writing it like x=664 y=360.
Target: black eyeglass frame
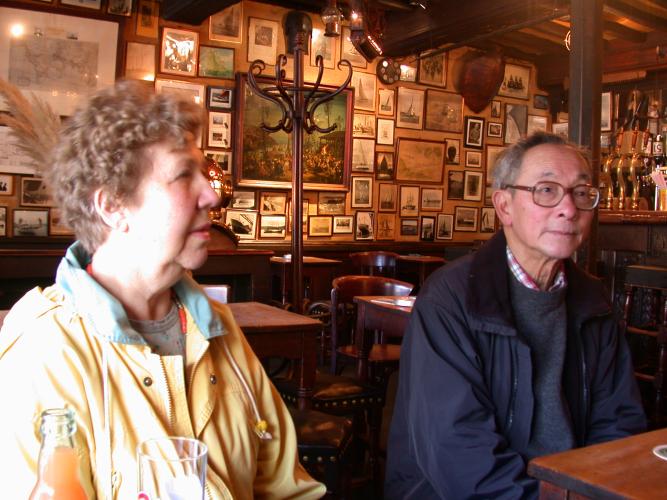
x=565 y=192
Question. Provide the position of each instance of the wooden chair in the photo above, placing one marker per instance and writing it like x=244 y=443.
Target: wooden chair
x=376 y=263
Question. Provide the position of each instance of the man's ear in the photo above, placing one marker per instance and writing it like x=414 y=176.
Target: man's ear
x=502 y=201
x=109 y=210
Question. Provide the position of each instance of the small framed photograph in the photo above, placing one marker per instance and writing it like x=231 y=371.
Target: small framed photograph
x=492 y=153
x=388 y=194
x=364 y=90
x=34 y=193
x=465 y=219
x=348 y=51
x=272 y=226
x=474 y=132
x=474 y=159
x=216 y=62
x=444 y=111
x=386 y=224
x=222 y=158
x=363 y=154
x=6 y=184
x=433 y=69
x=244 y=200
x=410 y=108
x=560 y=129
x=408 y=73
x=140 y=61
x=219 y=97
x=487 y=222
x=88 y=4
x=219 y=129
x=320 y=225
x=385 y=131
x=120 y=7
x=147 y=18
x=409 y=201
x=363 y=125
x=364 y=225
x=227 y=25
x=427 y=232
x=262 y=40
x=342 y=224
x=409 y=227
x=455 y=185
x=272 y=203
x=431 y=199
x=495 y=130
x=362 y=192
x=57 y=226
x=536 y=124
x=30 y=222
x=243 y=223
x=330 y=203
x=473 y=184
x=516 y=122
x=324 y=46
x=444 y=227
x=453 y=151
x=516 y=81
x=540 y=101
x=3 y=220
x=496 y=109
x=186 y=90
x=384 y=165
x=179 y=52
x=386 y=102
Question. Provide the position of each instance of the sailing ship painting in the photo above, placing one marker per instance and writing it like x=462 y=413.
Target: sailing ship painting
x=384 y=164
x=386 y=102
x=385 y=229
x=410 y=108
x=364 y=91
x=362 y=155
x=242 y=223
x=409 y=196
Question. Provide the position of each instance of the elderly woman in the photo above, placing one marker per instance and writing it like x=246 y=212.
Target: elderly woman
x=125 y=337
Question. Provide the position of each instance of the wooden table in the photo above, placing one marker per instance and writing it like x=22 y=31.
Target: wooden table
x=317 y=275
x=423 y=263
x=388 y=314
x=272 y=331
x=625 y=468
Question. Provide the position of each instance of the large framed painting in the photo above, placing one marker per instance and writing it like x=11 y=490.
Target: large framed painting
x=264 y=159
x=420 y=161
x=444 y=111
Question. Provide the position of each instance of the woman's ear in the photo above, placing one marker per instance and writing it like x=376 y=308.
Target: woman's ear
x=502 y=201
x=109 y=210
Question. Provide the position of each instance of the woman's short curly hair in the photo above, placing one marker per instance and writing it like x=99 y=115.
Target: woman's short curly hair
x=104 y=145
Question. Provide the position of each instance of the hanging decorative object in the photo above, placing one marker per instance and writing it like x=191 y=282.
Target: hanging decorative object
x=477 y=77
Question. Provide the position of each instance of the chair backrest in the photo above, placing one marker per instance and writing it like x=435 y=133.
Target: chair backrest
x=221 y=293
x=375 y=263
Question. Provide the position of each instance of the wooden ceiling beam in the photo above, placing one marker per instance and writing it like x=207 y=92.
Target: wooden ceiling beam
x=623 y=32
x=621 y=9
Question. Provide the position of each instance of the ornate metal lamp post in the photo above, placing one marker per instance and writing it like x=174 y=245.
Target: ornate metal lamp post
x=297 y=104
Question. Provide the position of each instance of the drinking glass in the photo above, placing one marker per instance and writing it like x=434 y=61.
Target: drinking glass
x=171 y=468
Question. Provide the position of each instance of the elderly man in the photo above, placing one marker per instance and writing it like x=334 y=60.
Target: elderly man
x=512 y=352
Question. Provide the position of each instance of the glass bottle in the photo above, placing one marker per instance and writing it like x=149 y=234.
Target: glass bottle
x=58 y=465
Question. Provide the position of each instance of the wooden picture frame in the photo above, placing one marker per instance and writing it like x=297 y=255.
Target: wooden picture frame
x=409 y=227
x=453 y=151
x=433 y=69
x=222 y=158
x=472 y=186
x=516 y=122
x=331 y=203
x=140 y=61
x=272 y=226
x=387 y=197
x=363 y=125
x=427 y=228
x=30 y=222
x=444 y=111
x=455 y=182
x=365 y=88
x=262 y=40
x=409 y=201
x=494 y=130
x=178 y=52
x=474 y=132
x=362 y=192
x=343 y=224
x=474 y=159
x=86 y=4
x=487 y=220
x=363 y=155
x=386 y=102
x=496 y=108
x=6 y=184
x=320 y=225
x=183 y=89
x=541 y=101
x=560 y=129
x=431 y=199
x=385 y=131
x=420 y=161
x=242 y=222
x=242 y=199
x=385 y=169
x=3 y=220
x=147 y=18
x=34 y=193
x=444 y=228
x=119 y=7
x=227 y=25
x=536 y=123
x=386 y=226
x=324 y=46
x=348 y=51
x=216 y=62
x=219 y=98
x=364 y=225
x=516 y=81
x=219 y=129
x=492 y=153
x=408 y=73
x=56 y=226
x=465 y=219
x=263 y=160
x=272 y=202
x=410 y=108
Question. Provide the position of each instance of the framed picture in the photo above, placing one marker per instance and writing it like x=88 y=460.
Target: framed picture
x=465 y=219
x=57 y=227
x=408 y=73
x=516 y=81
x=6 y=184
x=243 y=223
x=3 y=221
x=487 y=221
x=264 y=160
x=186 y=90
x=560 y=129
x=262 y=40
x=385 y=131
x=88 y=4
x=34 y=193
x=431 y=200
x=409 y=227
x=272 y=203
x=410 y=108
x=364 y=90
x=324 y=46
x=540 y=101
x=362 y=192
x=342 y=224
x=30 y=222
x=363 y=125
x=444 y=111
x=474 y=159
x=386 y=224
x=444 y=226
x=420 y=161
x=387 y=195
x=472 y=186
x=140 y=61
x=409 y=201
x=320 y=225
x=219 y=129
x=227 y=25
x=347 y=50
x=494 y=130
x=147 y=18
x=536 y=124
x=364 y=225
x=219 y=97
x=453 y=151
x=244 y=200
x=455 y=185
x=492 y=153
x=516 y=122
x=179 y=52
x=474 y=132
x=272 y=226
x=216 y=62
x=222 y=158
x=363 y=152
x=330 y=203
x=433 y=69
x=384 y=165
x=427 y=232
x=605 y=112
x=496 y=108
x=120 y=7
x=386 y=102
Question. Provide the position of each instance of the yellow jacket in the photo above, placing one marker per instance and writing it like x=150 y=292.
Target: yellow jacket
x=53 y=356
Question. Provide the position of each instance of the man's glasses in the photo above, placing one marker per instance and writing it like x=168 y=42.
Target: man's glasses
x=549 y=194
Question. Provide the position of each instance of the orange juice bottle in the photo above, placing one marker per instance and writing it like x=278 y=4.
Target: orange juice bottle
x=58 y=475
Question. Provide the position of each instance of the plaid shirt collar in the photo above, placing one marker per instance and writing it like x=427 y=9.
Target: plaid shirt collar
x=559 y=280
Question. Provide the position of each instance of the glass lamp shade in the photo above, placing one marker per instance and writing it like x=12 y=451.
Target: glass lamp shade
x=331 y=17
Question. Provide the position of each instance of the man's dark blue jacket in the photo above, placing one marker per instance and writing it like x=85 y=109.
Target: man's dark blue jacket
x=464 y=407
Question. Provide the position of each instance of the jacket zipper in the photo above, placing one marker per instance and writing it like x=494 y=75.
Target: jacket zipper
x=170 y=409
x=515 y=383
